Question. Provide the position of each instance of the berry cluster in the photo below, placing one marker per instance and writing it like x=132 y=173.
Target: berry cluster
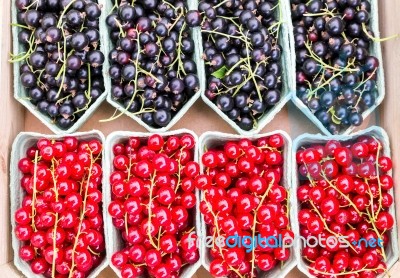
x=60 y=219
x=243 y=195
x=345 y=192
x=62 y=64
x=242 y=55
x=336 y=73
x=152 y=71
x=153 y=199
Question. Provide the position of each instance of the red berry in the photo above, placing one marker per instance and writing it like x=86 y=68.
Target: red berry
x=153 y=258
x=330 y=206
x=210 y=159
x=232 y=150
x=276 y=141
x=342 y=156
x=187 y=141
x=265 y=262
x=311 y=155
x=219 y=268
x=155 y=142
x=144 y=169
x=385 y=163
x=384 y=221
x=39 y=266
x=315 y=225
x=119 y=259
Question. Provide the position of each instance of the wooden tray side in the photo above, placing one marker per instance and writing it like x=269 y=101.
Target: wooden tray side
x=11 y=122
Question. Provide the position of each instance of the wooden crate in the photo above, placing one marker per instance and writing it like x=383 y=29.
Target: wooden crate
x=200 y=118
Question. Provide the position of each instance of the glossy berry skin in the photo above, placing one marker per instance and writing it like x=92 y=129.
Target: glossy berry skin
x=153 y=198
x=51 y=220
x=152 y=67
x=337 y=202
x=251 y=196
x=250 y=34
x=319 y=32
x=60 y=87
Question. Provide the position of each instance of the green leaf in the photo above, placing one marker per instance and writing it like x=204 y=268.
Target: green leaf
x=220 y=73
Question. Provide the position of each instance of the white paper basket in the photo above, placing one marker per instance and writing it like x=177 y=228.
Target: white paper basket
x=20 y=93
x=392 y=251
x=375 y=50
x=22 y=142
x=114 y=238
x=288 y=79
x=212 y=139
x=200 y=73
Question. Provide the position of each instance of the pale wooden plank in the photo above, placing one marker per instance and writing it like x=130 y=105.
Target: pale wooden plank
x=8 y=270
x=11 y=122
x=389 y=12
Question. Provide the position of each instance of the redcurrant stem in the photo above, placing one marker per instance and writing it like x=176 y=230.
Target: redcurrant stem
x=378 y=179
x=55 y=250
x=83 y=211
x=127 y=179
x=178 y=183
x=215 y=220
x=34 y=191
x=376 y=231
x=326 y=225
x=342 y=194
x=255 y=220
x=350 y=272
x=94 y=253
x=158 y=238
x=149 y=211
x=126 y=222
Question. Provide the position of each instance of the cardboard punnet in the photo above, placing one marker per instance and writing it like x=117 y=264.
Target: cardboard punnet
x=22 y=142
x=113 y=235
x=200 y=73
x=288 y=81
x=375 y=50
x=213 y=139
x=20 y=93
x=392 y=251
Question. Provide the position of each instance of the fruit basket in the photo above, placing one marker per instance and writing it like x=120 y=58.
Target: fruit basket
x=137 y=115
x=21 y=94
x=306 y=140
x=269 y=110
x=377 y=91
x=199 y=118
x=209 y=141
x=115 y=236
x=22 y=144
